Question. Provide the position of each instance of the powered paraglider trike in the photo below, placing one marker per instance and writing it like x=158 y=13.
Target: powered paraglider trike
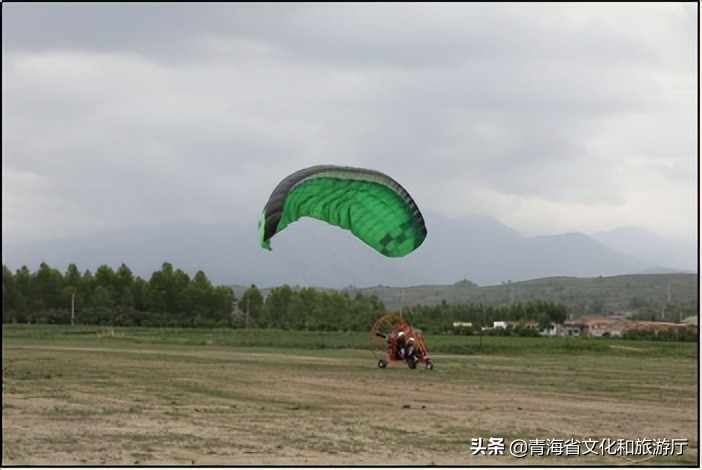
x=395 y=341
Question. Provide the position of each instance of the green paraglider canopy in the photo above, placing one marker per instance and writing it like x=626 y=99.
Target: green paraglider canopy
x=373 y=206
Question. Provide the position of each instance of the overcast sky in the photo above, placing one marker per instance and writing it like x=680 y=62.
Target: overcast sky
x=550 y=117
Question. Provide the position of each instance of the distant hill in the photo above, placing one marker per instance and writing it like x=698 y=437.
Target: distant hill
x=642 y=243
x=582 y=296
x=309 y=252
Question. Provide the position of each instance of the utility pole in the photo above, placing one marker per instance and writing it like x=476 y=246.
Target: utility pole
x=73 y=307
x=666 y=304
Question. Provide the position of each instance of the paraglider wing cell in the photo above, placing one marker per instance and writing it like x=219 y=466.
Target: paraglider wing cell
x=373 y=206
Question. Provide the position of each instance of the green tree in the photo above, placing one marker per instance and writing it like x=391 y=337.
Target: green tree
x=335 y=312
x=86 y=288
x=223 y=304
x=364 y=311
x=303 y=308
x=162 y=291
x=102 y=298
x=544 y=321
x=72 y=278
x=47 y=287
x=9 y=296
x=181 y=302
x=140 y=292
x=251 y=304
x=124 y=283
x=277 y=306
x=106 y=279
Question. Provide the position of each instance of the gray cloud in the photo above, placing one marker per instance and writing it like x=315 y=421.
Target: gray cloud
x=118 y=114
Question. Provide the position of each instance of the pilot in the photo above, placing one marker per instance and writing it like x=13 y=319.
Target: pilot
x=410 y=350
x=400 y=346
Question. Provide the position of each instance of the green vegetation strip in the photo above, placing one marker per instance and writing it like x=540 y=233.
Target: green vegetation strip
x=88 y=335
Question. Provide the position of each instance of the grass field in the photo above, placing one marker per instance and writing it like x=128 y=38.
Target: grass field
x=95 y=396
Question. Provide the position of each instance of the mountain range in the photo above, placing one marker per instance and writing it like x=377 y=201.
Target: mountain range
x=479 y=248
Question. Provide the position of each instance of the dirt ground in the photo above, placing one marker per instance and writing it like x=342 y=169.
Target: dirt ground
x=112 y=406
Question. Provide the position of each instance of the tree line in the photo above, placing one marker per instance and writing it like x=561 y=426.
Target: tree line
x=170 y=297
x=529 y=316
x=308 y=308
x=114 y=297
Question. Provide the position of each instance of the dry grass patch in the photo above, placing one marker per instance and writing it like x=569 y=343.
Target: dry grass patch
x=117 y=404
